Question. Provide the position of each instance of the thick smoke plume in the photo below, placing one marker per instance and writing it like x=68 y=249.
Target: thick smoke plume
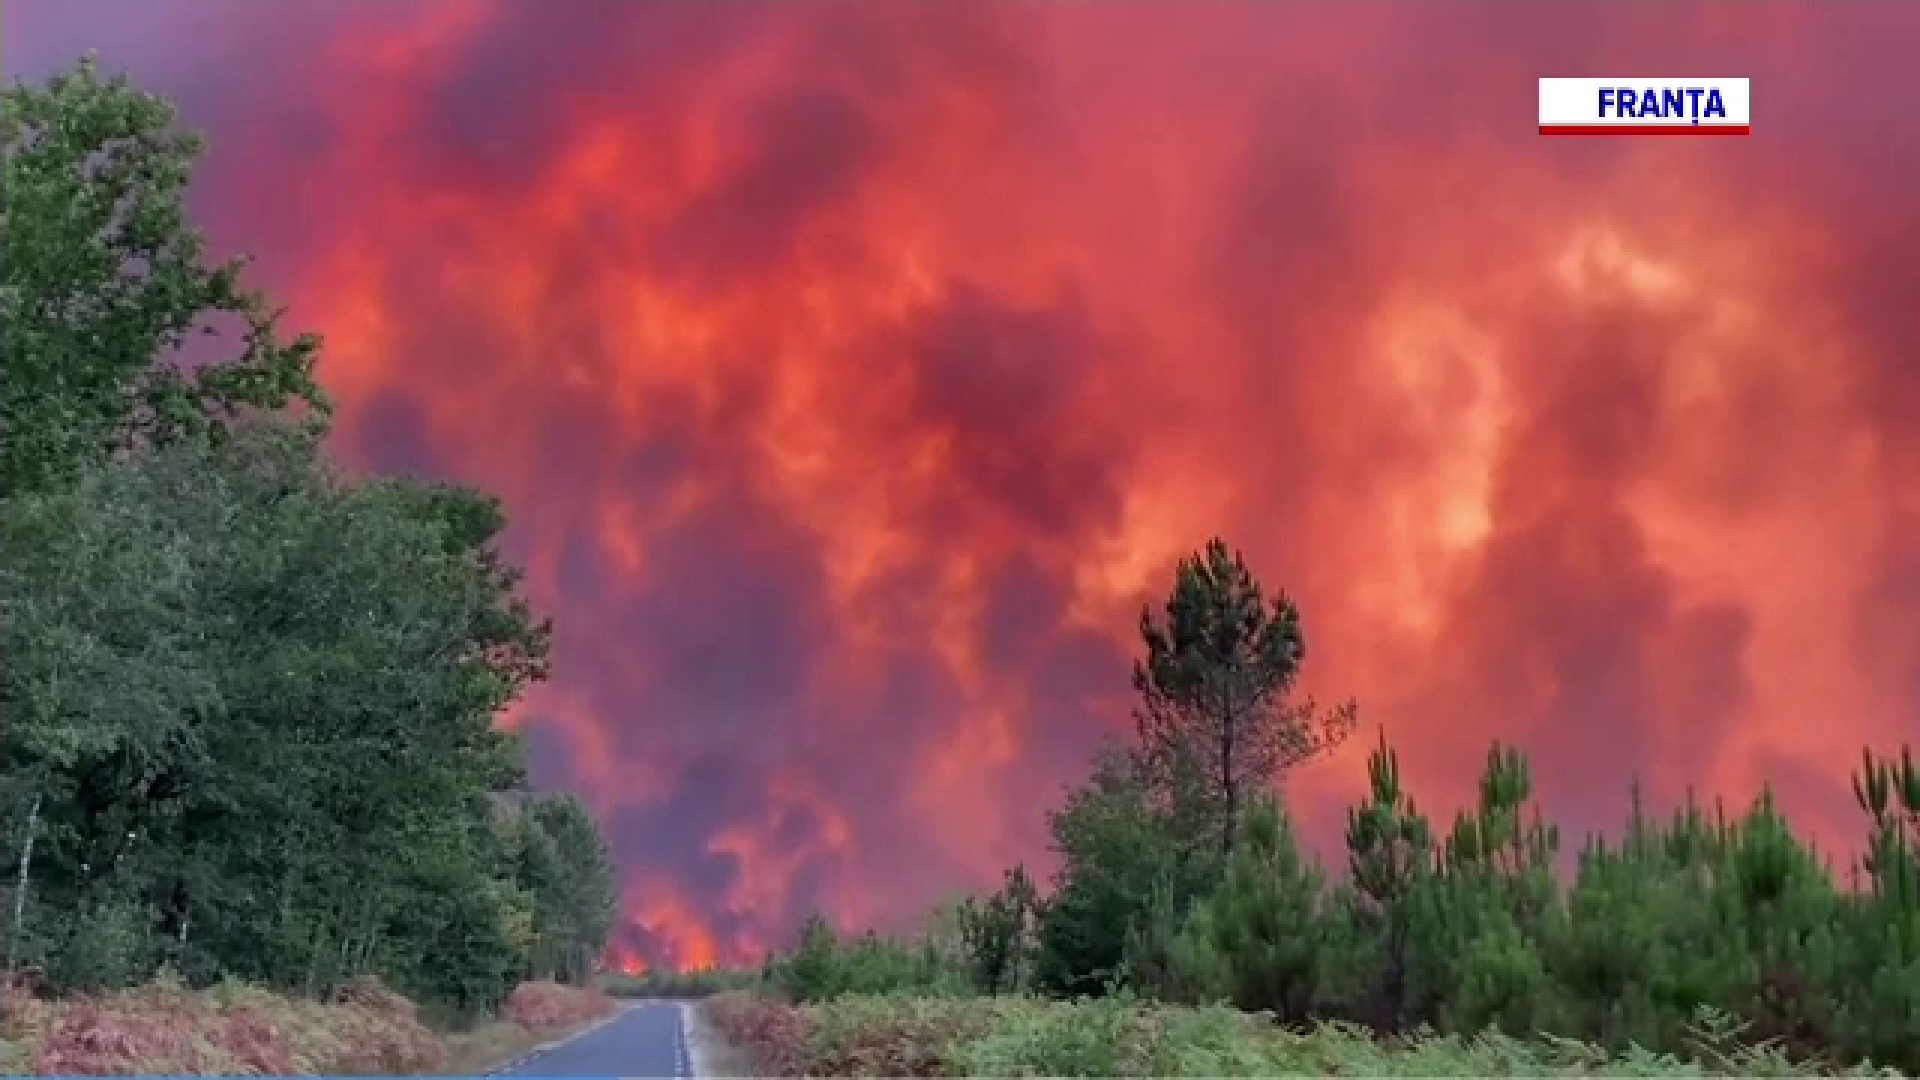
x=854 y=372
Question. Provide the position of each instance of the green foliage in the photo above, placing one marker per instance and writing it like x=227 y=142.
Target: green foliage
x=1122 y=1036
x=1153 y=828
x=249 y=703
x=1389 y=861
x=1117 y=847
x=332 y=664
x=1493 y=892
x=1889 y=792
x=562 y=867
x=102 y=281
x=1215 y=725
x=1877 y=946
x=1695 y=937
x=1700 y=944
x=823 y=967
x=1252 y=940
x=997 y=935
x=811 y=974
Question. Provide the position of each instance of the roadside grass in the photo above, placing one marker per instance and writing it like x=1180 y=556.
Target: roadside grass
x=676 y=984
x=1009 y=1036
x=236 y=1029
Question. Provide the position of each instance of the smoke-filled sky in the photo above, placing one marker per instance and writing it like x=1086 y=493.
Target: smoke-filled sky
x=854 y=371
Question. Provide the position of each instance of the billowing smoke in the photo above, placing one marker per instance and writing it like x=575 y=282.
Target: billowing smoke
x=853 y=373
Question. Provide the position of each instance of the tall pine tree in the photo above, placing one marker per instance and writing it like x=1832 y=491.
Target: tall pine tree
x=1217 y=725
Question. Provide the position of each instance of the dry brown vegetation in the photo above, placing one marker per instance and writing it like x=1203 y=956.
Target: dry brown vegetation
x=233 y=1028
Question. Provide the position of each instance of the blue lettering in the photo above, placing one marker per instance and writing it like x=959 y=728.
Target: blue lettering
x=1662 y=103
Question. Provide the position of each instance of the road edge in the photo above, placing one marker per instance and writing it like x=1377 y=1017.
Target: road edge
x=523 y=1059
x=692 y=1060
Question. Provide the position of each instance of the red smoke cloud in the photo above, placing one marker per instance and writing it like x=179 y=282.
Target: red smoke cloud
x=853 y=373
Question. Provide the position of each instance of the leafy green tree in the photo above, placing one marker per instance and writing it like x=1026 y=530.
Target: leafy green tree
x=102 y=285
x=103 y=282
x=945 y=954
x=873 y=964
x=353 y=631
x=101 y=690
x=329 y=659
x=565 y=869
x=1116 y=848
x=823 y=966
x=996 y=933
x=1216 y=726
x=249 y=704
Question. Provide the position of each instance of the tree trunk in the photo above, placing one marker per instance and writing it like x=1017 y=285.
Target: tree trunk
x=20 y=884
x=1229 y=790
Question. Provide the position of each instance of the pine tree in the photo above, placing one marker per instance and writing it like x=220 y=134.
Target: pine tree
x=1878 y=954
x=813 y=973
x=1261 y=928
x=1389 y=860
x=1890 y=794
x=1215 y=723
x=1489 y=909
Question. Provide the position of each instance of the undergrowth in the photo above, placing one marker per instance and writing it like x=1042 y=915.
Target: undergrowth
x=1021 y=1036
x=236 y=1029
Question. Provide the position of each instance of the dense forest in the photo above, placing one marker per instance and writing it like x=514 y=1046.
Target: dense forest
x=1182 y=881
x=248 y=705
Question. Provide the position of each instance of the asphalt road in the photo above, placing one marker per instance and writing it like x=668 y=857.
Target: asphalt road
x=645 y=1039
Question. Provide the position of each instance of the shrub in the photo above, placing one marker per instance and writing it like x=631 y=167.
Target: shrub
x=550 y=1006
x=771 y=1031
x=234 y=1029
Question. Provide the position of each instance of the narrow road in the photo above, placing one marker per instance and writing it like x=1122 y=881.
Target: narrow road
x=644 y=1039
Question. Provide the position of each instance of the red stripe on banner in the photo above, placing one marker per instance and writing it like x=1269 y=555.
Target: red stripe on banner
x=1646 y=129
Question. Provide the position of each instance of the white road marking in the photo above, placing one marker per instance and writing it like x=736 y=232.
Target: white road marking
x=691 y=1066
